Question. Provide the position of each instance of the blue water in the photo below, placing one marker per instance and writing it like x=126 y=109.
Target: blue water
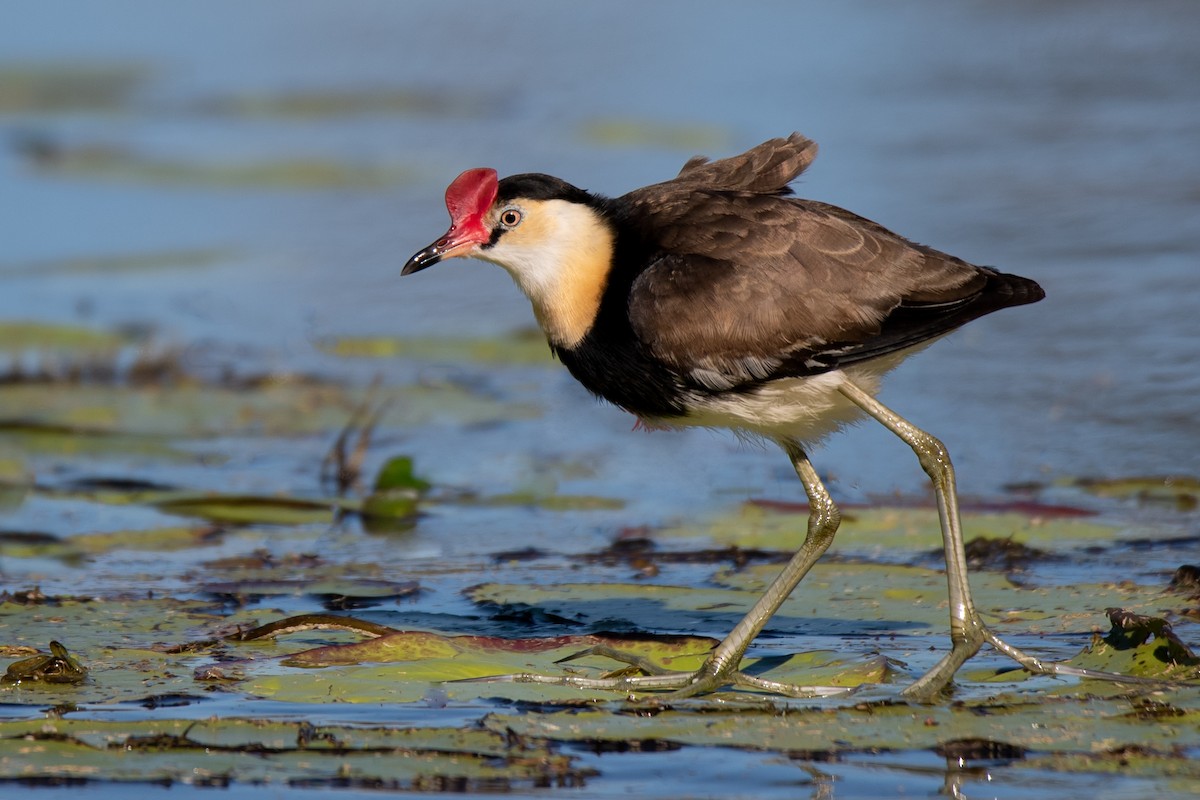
x=1054 y=140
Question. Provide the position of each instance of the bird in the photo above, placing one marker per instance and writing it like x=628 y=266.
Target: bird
x=719 y=299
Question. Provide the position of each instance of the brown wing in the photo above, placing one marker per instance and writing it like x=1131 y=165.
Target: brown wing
x=749 y=287
x=765 y=169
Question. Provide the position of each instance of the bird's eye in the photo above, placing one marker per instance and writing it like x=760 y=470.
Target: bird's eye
x=510 y=217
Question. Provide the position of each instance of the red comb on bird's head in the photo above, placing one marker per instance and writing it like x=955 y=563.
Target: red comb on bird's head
x=471 y=194
x=468 y=199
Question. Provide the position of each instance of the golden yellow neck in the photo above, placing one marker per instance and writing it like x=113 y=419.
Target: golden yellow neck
x=560 y=256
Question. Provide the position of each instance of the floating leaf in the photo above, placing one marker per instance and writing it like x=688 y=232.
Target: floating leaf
x=525 y=347
x=114 y=163
x=155 y=261
x=1182 y=491
x=46 y=88
x=285 y=406
x=756 y=524
x=392 y=503
x=131 y=647
x=1063 y=725
x=337 y=593
x=315 y=104
x=216 y=752
x=247 y=509
x=547 y=502
x=21 y=337
x=397 y=473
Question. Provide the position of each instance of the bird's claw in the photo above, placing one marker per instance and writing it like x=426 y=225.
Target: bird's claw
x=665 y=686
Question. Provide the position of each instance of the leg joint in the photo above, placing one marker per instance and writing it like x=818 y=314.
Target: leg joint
x=931 y=452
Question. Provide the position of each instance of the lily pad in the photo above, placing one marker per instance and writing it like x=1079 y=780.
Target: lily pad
x=1181 y=491
x=333 y=592
x=1068 y=725
x=481 y=666
x=392 y=503
x=317 y=104
x=870 y=530
x=47 y=88
x=285 y=406
x=547 y=501
x=248 y=509
x=40 y=337
x=115 y=163
x=524 y=347
x=130 y=647
x=217 y=752
x=148 y=262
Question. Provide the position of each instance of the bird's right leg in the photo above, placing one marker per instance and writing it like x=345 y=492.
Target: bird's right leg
x=823 y=520
x=721 y=666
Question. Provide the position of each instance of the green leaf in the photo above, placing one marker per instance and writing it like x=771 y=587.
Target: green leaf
x=397 y=473
x=248 y=509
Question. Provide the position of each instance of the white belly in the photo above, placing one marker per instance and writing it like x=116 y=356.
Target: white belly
x=802 y=409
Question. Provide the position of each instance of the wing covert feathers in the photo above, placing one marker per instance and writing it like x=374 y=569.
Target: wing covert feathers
x=745 y=284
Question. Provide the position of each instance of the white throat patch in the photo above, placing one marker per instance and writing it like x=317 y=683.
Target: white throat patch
x=560 y=256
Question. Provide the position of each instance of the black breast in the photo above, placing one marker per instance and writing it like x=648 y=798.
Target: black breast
x=610 y=361
x=618 y=369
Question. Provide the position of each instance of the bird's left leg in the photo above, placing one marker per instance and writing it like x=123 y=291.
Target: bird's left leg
x=967 y=629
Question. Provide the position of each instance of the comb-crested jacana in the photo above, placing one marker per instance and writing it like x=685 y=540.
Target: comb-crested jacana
x=718 y=299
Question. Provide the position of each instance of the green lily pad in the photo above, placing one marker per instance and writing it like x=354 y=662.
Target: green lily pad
x=914 y=599
x=40 y=337
x=165 y=539
x=68 y=439
x=893 y=529
x=35 y=418
x=421 y=662
x=525 y=348
x=547 y=502
x=250 y=509
x=52 y=88
x=397 y=473
x=216 y=752
x=314 y=104
x=1065 y=725
x=461 y=666
x=336 y=591
x=74 y=549
x=1182 y=491
x=16 y=478
x=149 y=262
x=133 y=648
x=113 y=163
x=392 y=503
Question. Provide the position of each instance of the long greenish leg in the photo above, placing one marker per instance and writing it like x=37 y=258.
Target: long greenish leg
x=823 y=520
x=967 y=631
x=721 y=666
